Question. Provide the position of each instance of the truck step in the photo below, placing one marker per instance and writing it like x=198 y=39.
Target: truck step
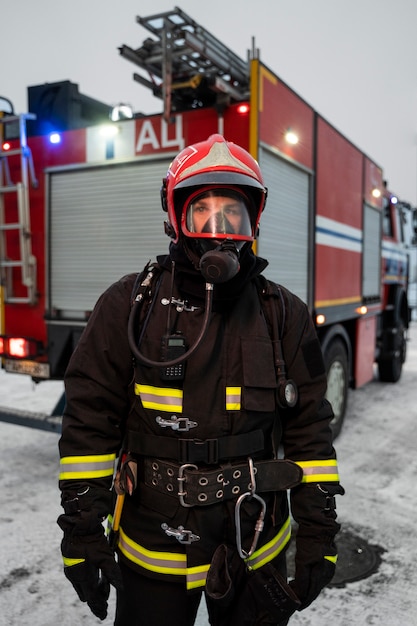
x=31 y=419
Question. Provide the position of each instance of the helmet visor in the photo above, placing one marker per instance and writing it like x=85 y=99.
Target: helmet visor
x=220 y=213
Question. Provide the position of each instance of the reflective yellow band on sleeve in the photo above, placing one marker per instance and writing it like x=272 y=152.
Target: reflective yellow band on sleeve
x=319 y=471
x=233 y=398
x=91 y=466
x=70 y=562
x=160 y=398
x=332 y=559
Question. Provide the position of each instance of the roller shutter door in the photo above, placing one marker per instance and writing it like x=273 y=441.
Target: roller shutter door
x=371 y=274
x=104 y=222
x=284 y=232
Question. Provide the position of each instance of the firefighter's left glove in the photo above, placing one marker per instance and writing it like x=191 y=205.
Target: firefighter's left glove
x=90 y=566
x=315 y=564
x=314 y=509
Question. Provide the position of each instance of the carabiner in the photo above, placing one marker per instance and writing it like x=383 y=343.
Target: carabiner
x=260 y=521
x=258 y=526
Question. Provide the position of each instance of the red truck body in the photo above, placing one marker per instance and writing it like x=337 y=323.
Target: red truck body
x=330 y=230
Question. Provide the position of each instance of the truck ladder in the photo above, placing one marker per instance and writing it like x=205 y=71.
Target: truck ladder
x=188 y=67
x=19 y=268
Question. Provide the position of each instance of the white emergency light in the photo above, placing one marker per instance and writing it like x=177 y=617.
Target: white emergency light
x=108 y=131
x=291 y=137
x=55 y=138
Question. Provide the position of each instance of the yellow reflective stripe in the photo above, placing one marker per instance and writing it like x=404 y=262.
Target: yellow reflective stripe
x=233 y=398
x=160 y=398
x=108 y=525
x=196 y=576
x=176 y=563
x=70 y=562
x=332 y=559
x=94 y=466
x=271 y=549
x=161 y=562
x=319 y=471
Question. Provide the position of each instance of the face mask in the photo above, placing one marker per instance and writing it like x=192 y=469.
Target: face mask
x=219 y=214
x=218 y=222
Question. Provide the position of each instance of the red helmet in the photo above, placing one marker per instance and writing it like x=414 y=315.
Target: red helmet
x=214 y=167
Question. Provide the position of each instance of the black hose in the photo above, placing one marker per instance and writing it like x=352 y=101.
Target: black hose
x=143 y=359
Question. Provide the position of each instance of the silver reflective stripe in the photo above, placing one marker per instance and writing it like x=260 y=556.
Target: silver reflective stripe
x=176 y=563
x=161 y=562
x=160 y=398
x=233 y=396
x=94 y=466
x=318 y=471
x=196 y=576
x=271 y=549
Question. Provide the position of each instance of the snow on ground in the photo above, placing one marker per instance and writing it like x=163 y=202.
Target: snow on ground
x=378 y=463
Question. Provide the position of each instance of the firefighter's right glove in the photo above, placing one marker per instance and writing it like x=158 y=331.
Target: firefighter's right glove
x=90 y=566
x=89 y=562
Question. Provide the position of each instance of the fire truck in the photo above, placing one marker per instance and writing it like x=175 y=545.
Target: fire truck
x=80 y=205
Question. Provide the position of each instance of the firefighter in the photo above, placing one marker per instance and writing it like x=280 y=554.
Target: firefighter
x=196 y=395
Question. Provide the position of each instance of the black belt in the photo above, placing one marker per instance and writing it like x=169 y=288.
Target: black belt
x=209 y=451
x=201 y=487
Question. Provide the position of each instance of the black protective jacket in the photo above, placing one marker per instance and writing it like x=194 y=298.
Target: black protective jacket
x=223 y=412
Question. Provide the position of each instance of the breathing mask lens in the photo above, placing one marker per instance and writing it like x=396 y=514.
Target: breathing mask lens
x=220 y=214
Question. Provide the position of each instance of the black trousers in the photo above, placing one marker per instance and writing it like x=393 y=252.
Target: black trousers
x=148 y=602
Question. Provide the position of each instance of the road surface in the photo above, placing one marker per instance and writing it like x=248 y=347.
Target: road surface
x=378 y=464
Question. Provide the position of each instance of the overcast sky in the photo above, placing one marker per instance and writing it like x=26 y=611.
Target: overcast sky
x=354 y=61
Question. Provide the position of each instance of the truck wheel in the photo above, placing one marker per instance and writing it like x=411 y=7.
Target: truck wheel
x=336 y=362
x=390 y=369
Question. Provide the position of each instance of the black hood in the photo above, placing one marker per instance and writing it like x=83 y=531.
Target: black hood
x=191 y=283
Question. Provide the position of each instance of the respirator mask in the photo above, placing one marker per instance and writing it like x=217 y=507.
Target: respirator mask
x=216 y=223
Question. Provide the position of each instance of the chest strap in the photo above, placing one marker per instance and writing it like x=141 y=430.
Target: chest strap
x=208 y=451
x=202 y=487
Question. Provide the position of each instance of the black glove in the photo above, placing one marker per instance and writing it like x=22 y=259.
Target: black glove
x=314 y=509
x=90 y=566
x=89 y=562
x=315 y=565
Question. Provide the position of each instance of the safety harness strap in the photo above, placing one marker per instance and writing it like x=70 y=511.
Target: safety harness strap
x=208 y=451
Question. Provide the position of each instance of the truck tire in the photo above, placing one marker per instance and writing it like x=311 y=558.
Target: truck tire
x=389 y=369
x=336 y=362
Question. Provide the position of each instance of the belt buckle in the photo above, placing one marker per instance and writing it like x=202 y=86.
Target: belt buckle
x=181 y=483
x=199 y=451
